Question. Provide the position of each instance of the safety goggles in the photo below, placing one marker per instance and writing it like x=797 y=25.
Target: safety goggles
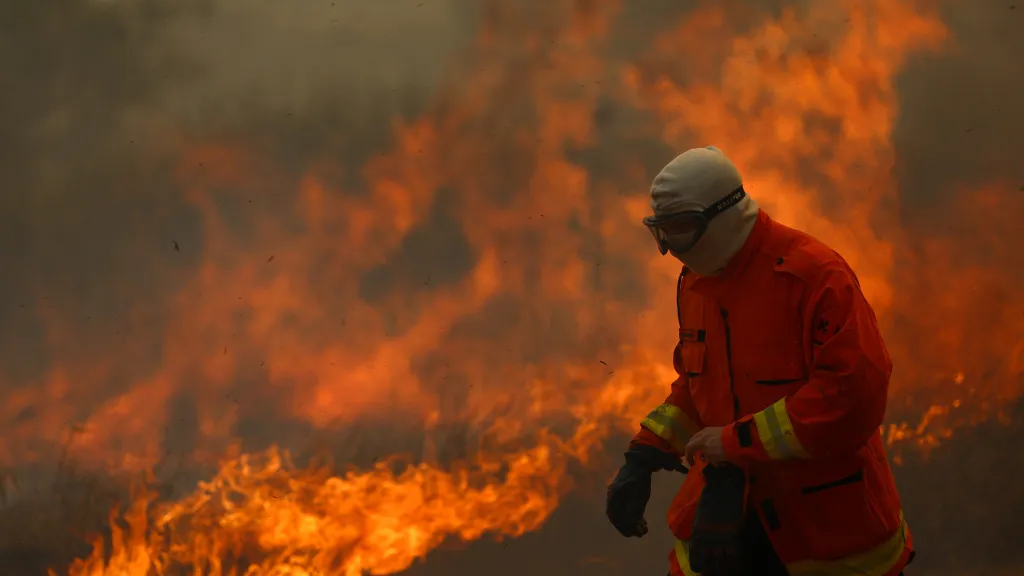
x=686 y=228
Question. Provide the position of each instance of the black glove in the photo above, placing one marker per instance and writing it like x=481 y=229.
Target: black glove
x=715 y=546
x=629 y=492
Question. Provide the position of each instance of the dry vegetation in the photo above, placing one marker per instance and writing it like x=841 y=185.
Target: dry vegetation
x=45 y=526
x=958 y=499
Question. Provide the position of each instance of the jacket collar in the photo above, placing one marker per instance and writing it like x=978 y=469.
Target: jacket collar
x=739 y=262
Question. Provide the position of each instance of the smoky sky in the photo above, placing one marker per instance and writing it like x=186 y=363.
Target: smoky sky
x=97 y=97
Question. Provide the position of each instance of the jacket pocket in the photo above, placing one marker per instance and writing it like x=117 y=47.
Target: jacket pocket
x=835 y=510
x=857 y=476
x=777 y=381
x=693 y=358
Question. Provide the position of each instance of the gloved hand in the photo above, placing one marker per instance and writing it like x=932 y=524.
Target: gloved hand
x=715 y=545
x=631 y=489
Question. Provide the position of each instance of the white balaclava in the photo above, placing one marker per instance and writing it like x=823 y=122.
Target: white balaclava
x=695 y=180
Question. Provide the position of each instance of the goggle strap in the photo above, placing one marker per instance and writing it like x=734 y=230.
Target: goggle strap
x=725 y=203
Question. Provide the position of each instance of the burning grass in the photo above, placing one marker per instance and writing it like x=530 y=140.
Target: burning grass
x=264 y=515
x=308 y=300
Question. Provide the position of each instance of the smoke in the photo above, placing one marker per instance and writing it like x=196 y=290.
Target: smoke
x=119 y=121
x=98 y=99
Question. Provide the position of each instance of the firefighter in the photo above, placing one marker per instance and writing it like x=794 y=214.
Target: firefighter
x=781 y=390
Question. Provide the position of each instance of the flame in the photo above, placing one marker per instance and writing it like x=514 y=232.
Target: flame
x=311 y=523
x=552 y=337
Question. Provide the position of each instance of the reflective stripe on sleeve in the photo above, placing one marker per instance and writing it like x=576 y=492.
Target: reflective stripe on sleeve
x=776 y=433
x=671 y=424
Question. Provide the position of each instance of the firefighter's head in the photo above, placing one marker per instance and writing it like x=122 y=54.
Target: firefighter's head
x=702 y=215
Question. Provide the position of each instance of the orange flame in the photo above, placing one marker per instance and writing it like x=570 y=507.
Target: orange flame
x=290 y=317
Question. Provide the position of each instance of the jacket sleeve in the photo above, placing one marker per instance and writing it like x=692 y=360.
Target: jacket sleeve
x=843 y=402
x=670 y=425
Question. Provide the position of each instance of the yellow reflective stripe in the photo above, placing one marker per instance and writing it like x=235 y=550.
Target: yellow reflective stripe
x=875 y=562
x=683 y=558
x=671 y=424
x=776 y=433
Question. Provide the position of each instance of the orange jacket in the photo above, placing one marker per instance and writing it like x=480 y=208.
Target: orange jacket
x=783 y=351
